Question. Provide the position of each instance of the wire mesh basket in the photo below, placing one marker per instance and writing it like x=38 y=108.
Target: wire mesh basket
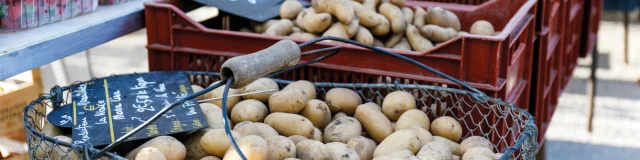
x=510 y=129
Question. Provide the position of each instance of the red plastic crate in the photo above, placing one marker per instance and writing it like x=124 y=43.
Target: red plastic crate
x=592 y=21
x=572 y=35
x=498 y=65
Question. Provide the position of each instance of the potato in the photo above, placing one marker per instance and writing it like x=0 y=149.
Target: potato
x=342 y=99
x=259 y=129
x=260 y=28
x=364 y=36
x=367 y=16
x=363 y=146
x=420 y=17
x=169 y=146
x=394 y=14
x=288 y=124
x=393 y=40
x=396 y=103
x=297 y=30
x=374 y=105
x=453 y=146
x=210 y=158
x=408 y=14
x=290 y=9
x=303 y=36
x=218 y=92
x=282 y=28
x=297 y=138
x=375 y=123
x=399 y=140
x=435 y=150
x=393 y=124
x=447 y=127
x=412 y=117
x=438 y=34
x=317 y=112
x=456 y=157
x=477 y=157
x=482 y=27
x=383 y=28
x=388 y=158
x=313 y=22
x=370 y=4
x=338 y=150
x=417 y=41
x=474 y=141
x=498 y=155
x=443 y=18
x=338 y=29
x=353 y=27
x=291 y=159
x=213 y=113
x=194 y=149
x=215 y=142
x=423 y=135
x=398 y=3
x=150 y=153
x=342 y=129
x=252 y=147
x=260 y=85
x=478 y=151
x=312 y=150
x=249 y=110
x=338 y=115
x=306 y=86
x=463 y=33
x=317 y=134
x=197 y=88
x=341 y=9
x=280 y=147
x=403 y=45
x=56 y=152
x=290 y=100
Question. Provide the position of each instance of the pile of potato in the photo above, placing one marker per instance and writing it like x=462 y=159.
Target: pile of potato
x=292 y=123
x=370 y=22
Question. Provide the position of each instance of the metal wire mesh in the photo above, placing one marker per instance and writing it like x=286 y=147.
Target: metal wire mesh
x=509 y=128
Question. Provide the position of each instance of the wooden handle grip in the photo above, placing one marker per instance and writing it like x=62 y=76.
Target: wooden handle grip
x=245 y=69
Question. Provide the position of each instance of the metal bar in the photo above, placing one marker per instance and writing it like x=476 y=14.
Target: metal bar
x=591 y=88
x=626 y=36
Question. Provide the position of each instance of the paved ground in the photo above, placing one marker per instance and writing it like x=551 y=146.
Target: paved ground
x=617 y=107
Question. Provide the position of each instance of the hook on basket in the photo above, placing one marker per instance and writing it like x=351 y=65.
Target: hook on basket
x=56 y=96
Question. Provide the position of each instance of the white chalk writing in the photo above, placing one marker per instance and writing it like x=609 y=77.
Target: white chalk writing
x=84 y=133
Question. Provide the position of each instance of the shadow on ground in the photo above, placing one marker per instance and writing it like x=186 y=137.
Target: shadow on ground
x=557 y=150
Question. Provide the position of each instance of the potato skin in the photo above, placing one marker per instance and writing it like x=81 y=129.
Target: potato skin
x=408 y=14
x=297 y=138
x=396 y=103
x=290 y=9
x=364 y=36
x=399 y=140
x=341 y=9
x=447 y=127
x=417 y=41
x=317 y=135
x=218 y=92
x=210 y=158
x=150 y=153
x=367 y=16
x=282 y=28
x=249 y=110
x=438 y=34
x=253 y=147
x=317 y=112
x=342 y=129
x=383 y=28
x=338 y=115
x=478 y=151
x=474 y=141
x=313 y=22
x=420 y=17
x=169 y=146
x=290 y=100
x=197 y=88
x=194 y=150
x=260 y=85
x=216 y=142
x=312 y=150
x=443 y=18
x=213 y=113
x=62 y=150
x=288 y=124
x=394 y=14
x=412 y=117
x=363 y=146
x=375 y=123
x=393 y=40
x=436 y=150
x=342 y=99
x=338 y=150
x=482 y=27
x=280 y=147
x=403 y=45
x=338 y=29
x=453 y=146
x=259 y=129
x=306 y=86
x=423 y=135
x=303 y=36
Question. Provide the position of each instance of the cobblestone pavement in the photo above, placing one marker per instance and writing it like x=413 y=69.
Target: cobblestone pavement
x=617 y=110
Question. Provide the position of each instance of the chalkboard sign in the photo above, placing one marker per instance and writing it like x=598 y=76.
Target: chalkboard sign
x=256 y=10
x=105 y=109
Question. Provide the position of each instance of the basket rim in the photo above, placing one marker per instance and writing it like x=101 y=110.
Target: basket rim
x=529 y=130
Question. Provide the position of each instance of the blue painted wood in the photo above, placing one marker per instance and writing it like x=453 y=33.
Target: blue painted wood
x=24 y=50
